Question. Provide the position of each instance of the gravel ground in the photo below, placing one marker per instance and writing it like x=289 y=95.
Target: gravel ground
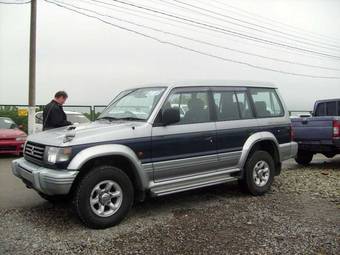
x=299 y=216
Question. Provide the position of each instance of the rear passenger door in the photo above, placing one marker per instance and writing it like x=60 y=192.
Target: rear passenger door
x=270 y=113
x=234 y=123
x=189 y=146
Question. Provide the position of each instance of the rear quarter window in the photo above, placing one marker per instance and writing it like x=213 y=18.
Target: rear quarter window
x=320 y=110
x=266 y=102
x=331 y=108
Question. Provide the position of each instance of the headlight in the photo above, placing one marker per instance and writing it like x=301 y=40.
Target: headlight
x=21 y=138
x=56 y=155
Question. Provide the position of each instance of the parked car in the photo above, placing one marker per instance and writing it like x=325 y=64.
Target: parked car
x=74 y=117
x=319 y=133
x=230 y=131
x=12 y=139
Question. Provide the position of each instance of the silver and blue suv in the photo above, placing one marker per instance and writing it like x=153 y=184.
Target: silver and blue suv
x=159 y=140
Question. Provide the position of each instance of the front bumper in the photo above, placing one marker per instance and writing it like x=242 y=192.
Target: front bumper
x=45 y=180
x=288 y=150
x=11 y=146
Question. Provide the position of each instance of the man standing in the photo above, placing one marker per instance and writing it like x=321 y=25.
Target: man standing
x=54 y=115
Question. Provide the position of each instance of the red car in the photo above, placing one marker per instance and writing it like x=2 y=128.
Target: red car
x=12 y=139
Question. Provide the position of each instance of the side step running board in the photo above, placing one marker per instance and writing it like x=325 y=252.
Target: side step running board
x=192 y=182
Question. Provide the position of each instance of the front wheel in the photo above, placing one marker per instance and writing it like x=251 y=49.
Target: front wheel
x=259 y=173
x=103 y=197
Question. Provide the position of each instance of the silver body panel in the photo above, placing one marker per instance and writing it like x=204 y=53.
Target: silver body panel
x=163 y=176
x=45 y=180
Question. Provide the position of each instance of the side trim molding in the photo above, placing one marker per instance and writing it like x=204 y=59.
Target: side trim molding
x=192 y=182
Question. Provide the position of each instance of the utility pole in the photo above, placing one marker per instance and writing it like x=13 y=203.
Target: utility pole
x=31 y=86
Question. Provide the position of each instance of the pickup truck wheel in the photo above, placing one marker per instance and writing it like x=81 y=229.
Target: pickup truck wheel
x=103 y=197
x=304 y=157
x=259 y=173
x=329 y=155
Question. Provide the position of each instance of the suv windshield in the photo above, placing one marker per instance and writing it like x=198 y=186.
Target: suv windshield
x=135 y=104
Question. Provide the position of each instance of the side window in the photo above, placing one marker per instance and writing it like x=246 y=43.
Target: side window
x=39 y=118
x=266 y=102
x=331 y=108
x=244 y=105
x=193 y=106
x=320 y=110
x=226 y=105
x=338 y=108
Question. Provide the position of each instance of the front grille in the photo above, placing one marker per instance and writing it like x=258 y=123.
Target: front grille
x=34 y=152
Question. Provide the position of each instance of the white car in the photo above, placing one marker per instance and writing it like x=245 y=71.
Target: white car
x=74 y=117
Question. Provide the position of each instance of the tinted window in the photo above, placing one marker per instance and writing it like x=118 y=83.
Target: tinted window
x=226 y=105
x=320 y=110
x=331 y=108
x=338 y=108
x=266 y=102
x=194 y=106
x=244 y=105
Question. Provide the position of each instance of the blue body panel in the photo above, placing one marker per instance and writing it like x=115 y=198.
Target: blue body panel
x=186 y=145
x=315 y=133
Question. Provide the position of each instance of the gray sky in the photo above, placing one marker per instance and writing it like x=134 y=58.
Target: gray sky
x=92 y=60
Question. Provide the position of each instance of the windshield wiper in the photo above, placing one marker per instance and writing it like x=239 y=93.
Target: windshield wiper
x=107 y=118
x=131 y=118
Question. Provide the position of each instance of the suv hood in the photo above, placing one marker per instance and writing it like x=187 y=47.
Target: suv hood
x=94 y=132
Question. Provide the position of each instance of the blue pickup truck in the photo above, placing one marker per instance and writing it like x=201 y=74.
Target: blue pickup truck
x=319 y=133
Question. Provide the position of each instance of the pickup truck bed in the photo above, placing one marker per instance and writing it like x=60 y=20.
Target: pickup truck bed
x=316 y=135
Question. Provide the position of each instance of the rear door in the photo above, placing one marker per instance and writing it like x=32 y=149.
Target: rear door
x=189 y=146
x=235 y=122
x=270 y=113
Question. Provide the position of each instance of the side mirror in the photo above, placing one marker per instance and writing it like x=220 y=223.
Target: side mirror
x=170 y=116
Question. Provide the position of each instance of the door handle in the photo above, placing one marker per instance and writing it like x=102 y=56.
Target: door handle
x=210 y=139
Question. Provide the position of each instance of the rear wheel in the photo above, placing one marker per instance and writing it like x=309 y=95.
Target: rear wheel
x=304 y=157
x=259 y=173
x=103 y=197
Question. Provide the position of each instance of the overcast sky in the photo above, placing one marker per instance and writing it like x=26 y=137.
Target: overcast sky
x=92 y=60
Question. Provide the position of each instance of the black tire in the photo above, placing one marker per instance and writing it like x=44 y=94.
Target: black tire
x=304 y=157
x=248 y=182
x=55 y=199
x=329 y=155
x=82 y=194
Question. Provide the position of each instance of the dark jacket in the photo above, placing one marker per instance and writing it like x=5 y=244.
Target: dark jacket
x=54 y=116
